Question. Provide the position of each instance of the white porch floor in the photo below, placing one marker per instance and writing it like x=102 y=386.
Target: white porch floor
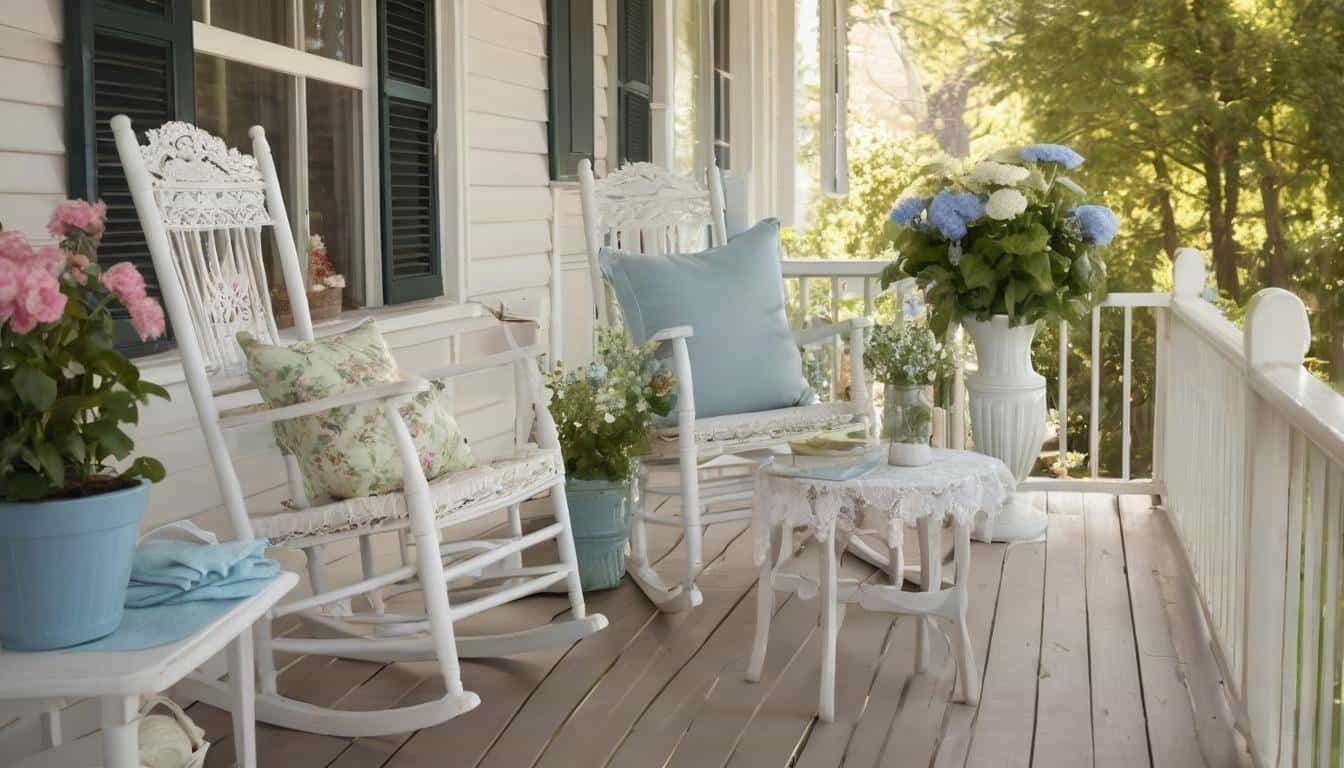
x=1092 y=646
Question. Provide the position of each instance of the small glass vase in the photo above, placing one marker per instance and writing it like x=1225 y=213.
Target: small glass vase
x=907 y=424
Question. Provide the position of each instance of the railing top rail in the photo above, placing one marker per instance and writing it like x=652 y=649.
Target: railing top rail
x=1305 y=402
x=1205 y=320
x=833 y=267
x=1137 y=299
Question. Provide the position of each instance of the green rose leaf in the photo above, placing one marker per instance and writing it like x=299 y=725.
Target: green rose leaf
x=147 y=468
x=34 y=387
x=52 y=463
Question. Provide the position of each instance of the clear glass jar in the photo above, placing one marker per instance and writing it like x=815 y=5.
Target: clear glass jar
x=907 y=420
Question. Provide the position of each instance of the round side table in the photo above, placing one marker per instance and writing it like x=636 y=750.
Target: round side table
x=953 y=489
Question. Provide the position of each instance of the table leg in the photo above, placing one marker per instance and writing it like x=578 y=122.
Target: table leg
x=830 y=628
x=930 y=578
x=765 y=607
x=242 y=683
x=121 y=731
x=970 y=673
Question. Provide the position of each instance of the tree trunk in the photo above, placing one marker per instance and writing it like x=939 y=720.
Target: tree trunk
x=946 y=118
x=1223 y=185
x=1276 y=255
x=1171 y=234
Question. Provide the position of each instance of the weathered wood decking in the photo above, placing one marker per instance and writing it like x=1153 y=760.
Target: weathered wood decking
x=1092 y=646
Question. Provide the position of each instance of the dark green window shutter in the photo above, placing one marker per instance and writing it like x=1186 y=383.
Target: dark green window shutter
x=132 y=57
x=570 y=94
x=634 y=76
x=412 y=267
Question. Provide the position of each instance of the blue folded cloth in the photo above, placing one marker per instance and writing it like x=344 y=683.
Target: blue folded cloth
x=171 y=571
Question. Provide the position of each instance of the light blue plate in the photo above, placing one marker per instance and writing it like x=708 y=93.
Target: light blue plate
x=829 y=468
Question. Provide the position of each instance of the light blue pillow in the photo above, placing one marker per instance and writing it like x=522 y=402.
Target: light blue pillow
x=743 y=356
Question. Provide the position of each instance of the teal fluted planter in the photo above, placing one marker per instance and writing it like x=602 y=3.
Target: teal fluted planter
x=599 y=513
x=64 y=567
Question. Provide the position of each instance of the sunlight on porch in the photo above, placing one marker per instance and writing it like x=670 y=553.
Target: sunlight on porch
x=1092 y=646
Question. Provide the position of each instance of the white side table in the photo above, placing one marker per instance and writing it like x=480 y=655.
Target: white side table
x=953 y=489
x=120 y=679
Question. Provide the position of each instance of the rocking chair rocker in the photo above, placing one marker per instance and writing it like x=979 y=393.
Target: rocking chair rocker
x=647 y=209
x=203 y=208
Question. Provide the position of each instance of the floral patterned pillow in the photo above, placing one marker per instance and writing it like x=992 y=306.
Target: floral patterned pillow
x=349 y=451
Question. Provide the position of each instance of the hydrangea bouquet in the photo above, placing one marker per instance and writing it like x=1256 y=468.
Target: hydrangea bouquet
x=65 y=390
x=1011 y=235
x=603 y=411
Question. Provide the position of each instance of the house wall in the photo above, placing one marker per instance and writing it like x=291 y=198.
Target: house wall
x=511 y=203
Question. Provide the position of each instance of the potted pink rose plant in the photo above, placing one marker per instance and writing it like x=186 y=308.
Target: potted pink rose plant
x=71 y=494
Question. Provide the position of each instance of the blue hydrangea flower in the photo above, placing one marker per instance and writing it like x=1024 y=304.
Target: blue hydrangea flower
x=907 y=210
x=597 y=373
x=950 y=212
x=1052 y=153
x=1096 y=223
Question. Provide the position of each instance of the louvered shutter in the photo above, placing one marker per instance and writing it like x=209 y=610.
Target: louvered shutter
x=634 y=75
x=570 y=94
x=408 y=123
x=132 y=57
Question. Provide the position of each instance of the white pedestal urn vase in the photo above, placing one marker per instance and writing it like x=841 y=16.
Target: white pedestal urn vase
x=1007 y=399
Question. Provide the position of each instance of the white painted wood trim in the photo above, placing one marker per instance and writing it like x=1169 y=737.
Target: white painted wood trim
x=662 y=132
x=233 y=46
x=453 y=146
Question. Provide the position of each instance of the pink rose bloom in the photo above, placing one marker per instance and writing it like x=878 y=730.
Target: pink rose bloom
x=39 y=301
x=147 y=318
x=49 y=259
x=77 y=214
x=14 y=247
x=125 y=282
x=75 y=264
x=10 y=277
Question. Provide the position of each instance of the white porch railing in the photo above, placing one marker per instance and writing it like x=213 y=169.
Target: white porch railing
x=1253 y=468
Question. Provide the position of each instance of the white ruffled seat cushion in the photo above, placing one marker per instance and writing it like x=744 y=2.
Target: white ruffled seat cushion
x=529 y=471
x=754 y=430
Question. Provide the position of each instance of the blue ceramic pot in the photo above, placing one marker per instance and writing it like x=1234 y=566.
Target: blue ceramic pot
x=599 y=512
x=64 y=567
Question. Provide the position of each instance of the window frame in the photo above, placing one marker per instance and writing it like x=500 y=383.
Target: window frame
x=300 y=65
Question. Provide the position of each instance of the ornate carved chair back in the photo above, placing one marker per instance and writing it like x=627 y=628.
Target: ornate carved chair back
x=646 y=208
x=203 y=207
x=208 y=206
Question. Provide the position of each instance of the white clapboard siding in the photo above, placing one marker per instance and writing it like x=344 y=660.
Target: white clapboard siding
x=504 y=203
x=506 y=134
x=32 y=147
x=497 y=62
x=502 y=28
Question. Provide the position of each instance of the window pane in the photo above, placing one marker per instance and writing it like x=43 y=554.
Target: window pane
x=335 y=194
x=331 y=29
x=268 y=20
x=685 y=83
x=231 y=98
x=807 y=108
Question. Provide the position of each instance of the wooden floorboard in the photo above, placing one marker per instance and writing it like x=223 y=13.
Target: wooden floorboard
x=1063 y=738
x=1004 y=725
x=1119 y=733
x=1097 y=625
x=1183 y=688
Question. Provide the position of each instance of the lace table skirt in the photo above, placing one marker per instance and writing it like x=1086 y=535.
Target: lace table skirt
x=956 y=485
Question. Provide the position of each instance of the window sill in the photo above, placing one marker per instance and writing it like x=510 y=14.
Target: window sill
x=165 y=368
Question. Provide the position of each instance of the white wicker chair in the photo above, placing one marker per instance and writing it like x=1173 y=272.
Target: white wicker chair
x=203 y=208
x=643 y=207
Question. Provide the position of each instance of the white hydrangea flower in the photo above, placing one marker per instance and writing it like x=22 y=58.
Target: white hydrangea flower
x=1005 y=204
x=990 y=172
x=609 y=418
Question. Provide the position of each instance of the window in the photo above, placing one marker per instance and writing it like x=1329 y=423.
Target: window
x=312 y=111
x=570 y=95
x=688 y=116
x=339 y=100
x=723 y=80
x=634 y=78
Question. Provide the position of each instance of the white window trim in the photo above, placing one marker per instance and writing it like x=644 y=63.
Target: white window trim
x=451 y=141
x=834 y=49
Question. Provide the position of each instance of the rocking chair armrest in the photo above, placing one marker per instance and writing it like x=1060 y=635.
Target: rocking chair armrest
x=808 y=337
x=675 y=332
x=251 y=415
x=497 y=360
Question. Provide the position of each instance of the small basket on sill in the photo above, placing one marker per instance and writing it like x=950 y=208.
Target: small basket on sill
x=323 y=304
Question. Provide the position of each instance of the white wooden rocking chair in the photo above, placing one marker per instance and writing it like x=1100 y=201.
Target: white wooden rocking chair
x=203 y=208
x=645 y=208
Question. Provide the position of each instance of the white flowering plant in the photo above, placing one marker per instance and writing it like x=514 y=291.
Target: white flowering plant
x=906 y=355
x=604 y=411
x=1010 y=235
